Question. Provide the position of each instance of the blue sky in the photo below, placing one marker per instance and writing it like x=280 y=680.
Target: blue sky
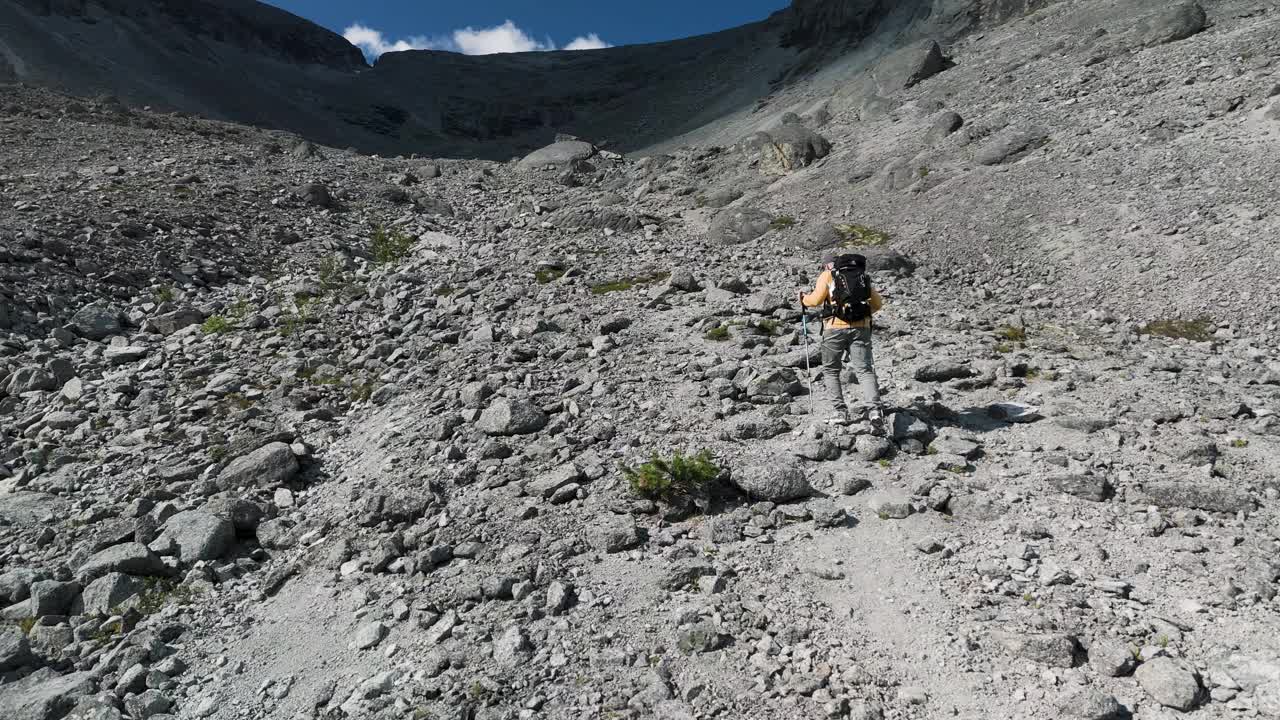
x=486 y=26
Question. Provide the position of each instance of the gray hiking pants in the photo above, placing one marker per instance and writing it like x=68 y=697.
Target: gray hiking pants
x=857 y=342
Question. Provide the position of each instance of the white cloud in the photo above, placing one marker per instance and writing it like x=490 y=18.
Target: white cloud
x=374 y=44
x=504 y=38
x=587 y=42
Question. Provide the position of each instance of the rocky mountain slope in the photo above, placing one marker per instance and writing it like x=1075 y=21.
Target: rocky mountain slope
x=291 y=431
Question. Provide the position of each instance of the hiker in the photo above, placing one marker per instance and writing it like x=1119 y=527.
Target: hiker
x=844 y=292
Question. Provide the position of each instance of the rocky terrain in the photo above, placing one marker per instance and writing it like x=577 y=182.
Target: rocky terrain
x=291 y=431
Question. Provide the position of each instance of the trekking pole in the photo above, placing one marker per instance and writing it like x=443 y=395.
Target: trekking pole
x=808 y=373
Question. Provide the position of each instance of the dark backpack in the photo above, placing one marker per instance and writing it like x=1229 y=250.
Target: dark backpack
x=850 y=298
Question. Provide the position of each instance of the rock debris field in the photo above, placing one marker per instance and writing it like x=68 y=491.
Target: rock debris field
x=289 y=432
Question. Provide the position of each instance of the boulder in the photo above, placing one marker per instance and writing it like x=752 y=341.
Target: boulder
x=1177 y=21
x=1199 y=495
x=30 y=379
x=109 y=592
x=511 y=417
x=1170 y=682
x=43 y=695
x=269 y=466
x=943 y=126
x=734 y=226
x=613 y=535
x=129 y=558
x=546 y=484
x=51 y=597
x=1095 y=488
x=561 y=154
x=790 y=148
x=907 y=66
x=14 y=649
x=1010 y=145
x=775 y=482
x=1090 y=703
x=1052 y=649
x=95 y=322
x=195 y=535
x=171 y=322
x=15 y=585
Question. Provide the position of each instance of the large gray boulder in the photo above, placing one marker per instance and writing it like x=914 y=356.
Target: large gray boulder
x=734 y=226
x=95 y=322
x=1199 y=495
x=14 y=649
x=1171 y=683
x=30 y=378
x=43 y=695
x=789 y=148
x=511 y=417
x=269 y=466
x=1090 y=703
x=109 y=592
x=51 y=597
x=775 y=482
x=129 y=558
x=1011 y=145
x=171 y=322
x=1052 y=649
x=909 y=65
x=195 y=535
x=1177 y=21
x=561 y=154
x=15 y=585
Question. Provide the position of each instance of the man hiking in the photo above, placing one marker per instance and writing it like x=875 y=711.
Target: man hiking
x=844 y=292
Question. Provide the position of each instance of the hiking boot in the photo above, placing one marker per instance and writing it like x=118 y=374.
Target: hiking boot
x=875 y=415
x=839 y=417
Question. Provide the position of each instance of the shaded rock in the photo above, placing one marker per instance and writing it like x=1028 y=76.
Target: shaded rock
x=511 y=417
x=701 y=638
x=888 y=260
x=50 y=597
x=943 y=126
x=546 y=484
x=1112 y=659
x=776 y=482
x=684 y=573
x=269 y=466
x=942 y=371
x=95 y=322
x=316 y=195
x=890 y=507
x=368 y=636
x=171 y=322
x=1171 y=683
x=29 y=379
x=1178 y=21
x=14 y=649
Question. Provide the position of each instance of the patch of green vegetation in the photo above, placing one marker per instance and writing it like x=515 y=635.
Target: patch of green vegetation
x=956 y=469
x=768 y=326
x=883 y=462
x=217 y=453
x=923 y=172
x=628 y=283
x=291 y=324
x=1004 y=348
x=107 y=632
x=548 y=275
x=1200 y=330
x=362 y=391
x=1163 y=640
x=389 y=246
x=1239 y=443
x=159 y=592
x=239 y=310
x=26 y=624
x=856 y=236
x=332 y=273
x=682 y=475
x=717 y=334
x=216 y=325
x=782 y=222
x=1012 y=333
x=164 y=294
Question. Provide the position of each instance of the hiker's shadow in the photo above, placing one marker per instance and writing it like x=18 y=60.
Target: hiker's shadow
x=982 y=419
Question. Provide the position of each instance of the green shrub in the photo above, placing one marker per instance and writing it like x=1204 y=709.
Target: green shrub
x=159 y=592
x=1004 y=348
x=717 y=334
x=1200 y=330
x=628 y=283
x=1239 y=443
x=164 y=294
x=389 y=246
x=680 y=476
x=782 y=222
x=26 y=624
x=548 y=275
x=332 y=273
x=216 y=325
x=1012 y=333
x=855 y=236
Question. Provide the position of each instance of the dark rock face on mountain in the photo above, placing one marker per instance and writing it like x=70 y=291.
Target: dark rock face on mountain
x=245 y=61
